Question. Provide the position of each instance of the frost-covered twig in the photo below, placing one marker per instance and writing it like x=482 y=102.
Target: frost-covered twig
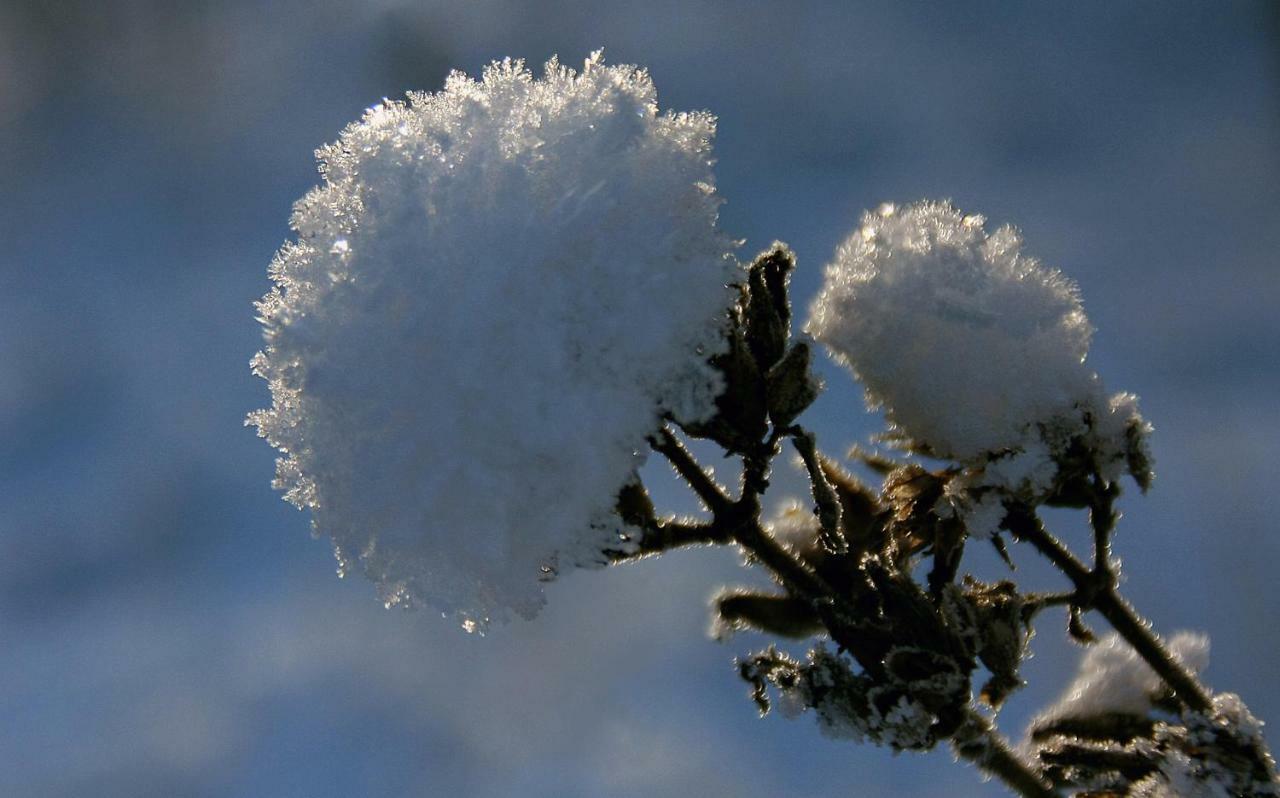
x=824 y=496
x=668 y=535
x=980 y=743
x=708 y=490
x=1098 y=592
x=1102 y=519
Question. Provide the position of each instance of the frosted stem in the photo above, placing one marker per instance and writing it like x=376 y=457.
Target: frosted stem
x=1102 y=517
x=708 y=490
x=1097 y=591
x=824 y=496
x=979 y=742
x=667 y=535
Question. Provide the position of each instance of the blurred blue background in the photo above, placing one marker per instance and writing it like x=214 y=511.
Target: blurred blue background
x=167 y=627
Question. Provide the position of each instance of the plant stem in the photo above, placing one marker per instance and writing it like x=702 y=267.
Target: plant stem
x=708 y=490
x=824 y=496
x=979 y=742
x=1137 y=631
x=1102 y=517
x=667 y=535
x=740 y=520
x=795 y=575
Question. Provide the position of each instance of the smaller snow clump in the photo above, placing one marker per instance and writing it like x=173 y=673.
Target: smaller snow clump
x=1113 y=678
x=971 y=346
x=495 y=296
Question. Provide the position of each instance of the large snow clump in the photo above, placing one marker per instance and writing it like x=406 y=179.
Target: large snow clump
x=492 y=299
x=971 y=346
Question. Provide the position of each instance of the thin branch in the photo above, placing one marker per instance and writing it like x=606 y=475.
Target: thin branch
x=1098 y=591
x=1137 y=631
x=795 y=575
x=667 y=535
x=1026 y=527
x=740 y=520
x=1037 y=602
x=1102 y=517
x=979 y=742
x=708 y=490
x=824 y=496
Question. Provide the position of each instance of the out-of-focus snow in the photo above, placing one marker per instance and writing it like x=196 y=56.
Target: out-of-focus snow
x=1113 y=678
x=492 y=298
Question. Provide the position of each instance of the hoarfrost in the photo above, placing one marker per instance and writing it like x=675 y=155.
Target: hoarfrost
x=849 y=706
x=493 y=297
x=1216 y=755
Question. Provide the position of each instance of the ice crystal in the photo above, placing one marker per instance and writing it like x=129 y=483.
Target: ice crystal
x=494 y=296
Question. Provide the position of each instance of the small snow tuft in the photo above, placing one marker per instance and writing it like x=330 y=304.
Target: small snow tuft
x=1112 y=678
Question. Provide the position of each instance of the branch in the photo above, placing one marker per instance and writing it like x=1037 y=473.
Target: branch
x=1097 y=591
x=666 y=535
x=1102 y=517
x=979 y=742
x=708 y=490
x=740 y=521
x=794 y=574
x=824 y=496
x=1137 y=631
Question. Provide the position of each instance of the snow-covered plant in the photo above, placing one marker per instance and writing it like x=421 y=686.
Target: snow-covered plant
x=506 y=293
x=513 y=276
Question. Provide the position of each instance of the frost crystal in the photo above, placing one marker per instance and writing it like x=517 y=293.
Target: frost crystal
x=892 y=711
x=971 y=346
x=494 y=296
x=1113 y=679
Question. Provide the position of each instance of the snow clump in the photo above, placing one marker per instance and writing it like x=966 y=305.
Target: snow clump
x=972 y=347
x=496 y=294
x=1113 y=678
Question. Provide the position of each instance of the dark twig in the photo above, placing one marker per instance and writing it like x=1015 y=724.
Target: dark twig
x=708 y=490
x=1102 y=517
x=667 y=535
x=977 y=741
x=740 y=520
x=1097 y=591
x=824 y=496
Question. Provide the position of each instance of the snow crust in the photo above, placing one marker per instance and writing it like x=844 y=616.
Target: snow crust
x=493 y=296
x=970 y=345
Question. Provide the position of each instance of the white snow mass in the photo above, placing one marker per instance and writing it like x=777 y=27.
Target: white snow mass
x=1114 y=678
x=494 y=296
x=967 y=342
